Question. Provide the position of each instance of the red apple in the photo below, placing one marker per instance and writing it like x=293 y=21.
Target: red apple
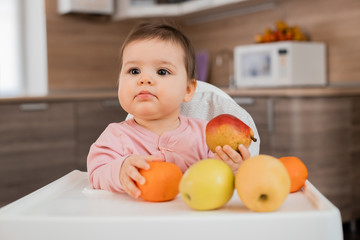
x=226 y=129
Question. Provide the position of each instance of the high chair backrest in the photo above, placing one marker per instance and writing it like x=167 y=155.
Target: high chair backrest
x=210 y=101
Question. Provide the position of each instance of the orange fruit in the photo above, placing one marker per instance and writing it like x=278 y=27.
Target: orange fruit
x=161 y=182
x=297 y=171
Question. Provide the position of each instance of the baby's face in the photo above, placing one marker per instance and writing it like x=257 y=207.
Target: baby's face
x=153 y=79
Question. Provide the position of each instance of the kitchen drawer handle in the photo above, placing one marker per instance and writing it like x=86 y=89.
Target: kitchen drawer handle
x=33 y=106
x=244 y=101
x=270 y=114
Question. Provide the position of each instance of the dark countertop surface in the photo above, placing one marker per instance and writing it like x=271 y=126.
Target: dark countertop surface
x=249 y=92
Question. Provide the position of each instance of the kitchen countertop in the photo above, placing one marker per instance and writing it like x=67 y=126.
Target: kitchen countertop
x=243 y=92
x=294 y=92
x=63 y=96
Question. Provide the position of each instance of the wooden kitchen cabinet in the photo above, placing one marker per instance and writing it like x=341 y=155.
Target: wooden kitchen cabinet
x=36 y=146
x=324 y=133
x=126 y=9
x=43 y=141
x=355 y=155
x=318 y=131
x=92 y=119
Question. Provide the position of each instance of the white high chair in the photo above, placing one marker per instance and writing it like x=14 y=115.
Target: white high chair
x=210 y=101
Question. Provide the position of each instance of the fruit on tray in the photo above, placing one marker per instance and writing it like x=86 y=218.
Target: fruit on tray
x=161 y=182
x=281 y=32
x=262 y=183
x=207 y=184
x=297 y=171
x=226 y=129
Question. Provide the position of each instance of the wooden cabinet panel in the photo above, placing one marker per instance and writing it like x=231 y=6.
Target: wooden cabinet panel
x=92 y=119
x=318 y=131
x=355 y=155
x=37 y=146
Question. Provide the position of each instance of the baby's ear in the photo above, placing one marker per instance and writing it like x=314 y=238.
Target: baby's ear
x=190 y=90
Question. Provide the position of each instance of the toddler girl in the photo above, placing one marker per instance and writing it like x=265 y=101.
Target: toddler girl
x=157 y=75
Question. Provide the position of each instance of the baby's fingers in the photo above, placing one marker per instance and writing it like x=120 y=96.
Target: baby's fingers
x=139 y=163
x=134 y=174
x=154 y=158
x=232 y=154
x=131 y=188
x=221 y=154
x=228 y=155
x=245 y=153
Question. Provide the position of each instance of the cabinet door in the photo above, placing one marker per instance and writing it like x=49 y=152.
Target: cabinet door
x=355 y=156
x=92 y=119
x=37 y=146
x=319 y=132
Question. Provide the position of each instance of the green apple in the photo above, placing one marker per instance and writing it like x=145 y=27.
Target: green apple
x=207 y=184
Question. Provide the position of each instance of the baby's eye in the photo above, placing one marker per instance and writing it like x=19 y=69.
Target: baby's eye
x=163 y=72
x=134 y=71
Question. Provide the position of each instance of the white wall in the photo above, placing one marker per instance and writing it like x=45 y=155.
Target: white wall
x=23 y=54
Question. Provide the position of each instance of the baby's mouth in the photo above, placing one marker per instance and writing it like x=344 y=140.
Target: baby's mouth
x=144 y=95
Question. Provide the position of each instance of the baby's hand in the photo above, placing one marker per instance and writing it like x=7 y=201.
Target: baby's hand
x=129 y=173
x=232 y=157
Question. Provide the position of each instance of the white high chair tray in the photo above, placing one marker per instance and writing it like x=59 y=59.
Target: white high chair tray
x=69 y=209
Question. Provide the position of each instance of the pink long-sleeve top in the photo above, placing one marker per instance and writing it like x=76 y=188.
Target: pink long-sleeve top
x=182 y=146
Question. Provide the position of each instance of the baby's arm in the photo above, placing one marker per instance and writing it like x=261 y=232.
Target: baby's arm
x=106 y=158
x=231 y=157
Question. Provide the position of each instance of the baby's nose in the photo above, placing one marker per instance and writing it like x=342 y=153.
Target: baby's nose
x=145 y=80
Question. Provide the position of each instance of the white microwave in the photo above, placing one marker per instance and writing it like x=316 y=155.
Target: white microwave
x=280 y=64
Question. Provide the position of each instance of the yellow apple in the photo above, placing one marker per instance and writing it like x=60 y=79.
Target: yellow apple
x=207 y=184
x=262 y=183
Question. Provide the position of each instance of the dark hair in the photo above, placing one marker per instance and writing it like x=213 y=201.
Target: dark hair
x=166 y=32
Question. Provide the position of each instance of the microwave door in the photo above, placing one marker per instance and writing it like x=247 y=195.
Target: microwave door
x=257 y=68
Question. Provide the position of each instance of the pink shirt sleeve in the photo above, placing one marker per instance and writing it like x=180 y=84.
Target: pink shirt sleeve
x=105 y=158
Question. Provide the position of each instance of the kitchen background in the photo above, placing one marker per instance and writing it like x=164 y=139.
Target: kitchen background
x=44 y=137
x=83 y=51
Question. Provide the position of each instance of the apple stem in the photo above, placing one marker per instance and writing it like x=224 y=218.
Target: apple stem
x=253 y=138
x=263 y=197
